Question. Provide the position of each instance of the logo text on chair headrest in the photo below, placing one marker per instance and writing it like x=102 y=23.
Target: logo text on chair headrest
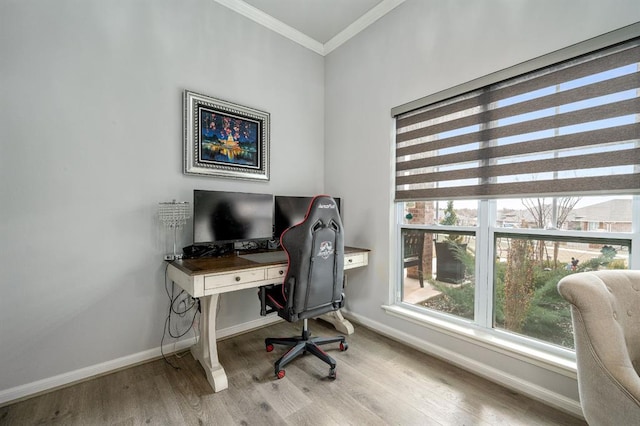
x=326 y=206
x=326 y=249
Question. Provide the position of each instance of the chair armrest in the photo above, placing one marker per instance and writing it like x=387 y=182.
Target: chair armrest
x=605 y=314
x=289 y=287
x=262 y=294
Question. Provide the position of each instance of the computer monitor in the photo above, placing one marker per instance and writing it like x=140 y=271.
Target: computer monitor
x=227 y=217
x=289 y=211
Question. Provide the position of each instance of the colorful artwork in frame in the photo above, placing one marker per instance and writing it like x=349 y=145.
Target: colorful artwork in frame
x=224 y=139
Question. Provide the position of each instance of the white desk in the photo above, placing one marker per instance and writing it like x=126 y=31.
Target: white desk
x=208 y=278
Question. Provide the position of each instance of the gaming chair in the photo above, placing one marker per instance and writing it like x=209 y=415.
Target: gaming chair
x=313 y=283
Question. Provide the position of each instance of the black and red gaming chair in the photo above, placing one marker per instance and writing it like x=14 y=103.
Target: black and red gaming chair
x=313 y=283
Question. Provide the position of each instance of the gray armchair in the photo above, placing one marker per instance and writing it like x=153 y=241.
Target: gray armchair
x=605 y=310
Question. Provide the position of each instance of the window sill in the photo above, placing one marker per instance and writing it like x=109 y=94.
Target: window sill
x=562 y=363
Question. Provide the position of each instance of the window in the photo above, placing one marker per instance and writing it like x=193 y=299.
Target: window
x=510 y=182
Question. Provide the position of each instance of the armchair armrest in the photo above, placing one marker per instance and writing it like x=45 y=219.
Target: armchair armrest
x=605 y=309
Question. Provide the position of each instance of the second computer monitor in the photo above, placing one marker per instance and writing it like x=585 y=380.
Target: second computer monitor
x=289 y=211
x=227 y=217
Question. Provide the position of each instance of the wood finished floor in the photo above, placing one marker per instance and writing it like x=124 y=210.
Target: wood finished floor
x=380 y=382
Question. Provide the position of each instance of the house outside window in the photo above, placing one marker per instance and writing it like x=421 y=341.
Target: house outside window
x=506 y=184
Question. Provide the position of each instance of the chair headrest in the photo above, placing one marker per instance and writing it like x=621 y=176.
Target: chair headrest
x=323 y=208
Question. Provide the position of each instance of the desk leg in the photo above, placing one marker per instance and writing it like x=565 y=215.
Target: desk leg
x=339 y=322
x=206 y=350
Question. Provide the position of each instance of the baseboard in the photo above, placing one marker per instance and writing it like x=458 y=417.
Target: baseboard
x=529 y=389
x=534 y=391
x=247 y=326
x=28 y=390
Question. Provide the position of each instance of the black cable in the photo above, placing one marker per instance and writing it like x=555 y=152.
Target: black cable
x=162 y=344
x=186 y=309
x=195 y=306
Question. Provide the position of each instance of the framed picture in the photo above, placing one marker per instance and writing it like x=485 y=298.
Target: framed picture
x=224 y=139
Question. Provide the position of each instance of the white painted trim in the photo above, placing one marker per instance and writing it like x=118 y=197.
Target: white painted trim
x=490 y=373
x=268 y=21
x=71 y=377
x=562 y=362
x=532 y=390
x=273 y=24
x=247 y=326
x=363 y=22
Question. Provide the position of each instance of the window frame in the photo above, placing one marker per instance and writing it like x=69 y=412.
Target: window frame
x=481 y=330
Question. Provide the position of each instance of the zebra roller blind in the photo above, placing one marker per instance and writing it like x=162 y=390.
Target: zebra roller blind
x=572 y=127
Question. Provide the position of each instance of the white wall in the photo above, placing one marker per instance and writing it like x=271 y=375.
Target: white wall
x=91 y=141
x=420 y=48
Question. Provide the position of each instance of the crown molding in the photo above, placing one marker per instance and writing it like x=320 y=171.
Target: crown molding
x=273 y=24
x=302 y=39
x=359 y=25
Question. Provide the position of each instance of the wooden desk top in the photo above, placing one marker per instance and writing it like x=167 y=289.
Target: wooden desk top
x=231 y=262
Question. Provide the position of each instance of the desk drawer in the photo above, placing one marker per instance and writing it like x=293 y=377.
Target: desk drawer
x=234 y=278
x=278 y=272
x=354 y=260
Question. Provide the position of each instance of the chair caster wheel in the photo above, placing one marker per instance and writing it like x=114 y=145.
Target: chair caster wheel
x=343 y=346
x=332 y=374
x=279 y=374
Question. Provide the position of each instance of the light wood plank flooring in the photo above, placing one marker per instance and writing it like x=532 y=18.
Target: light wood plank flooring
x=380 y=382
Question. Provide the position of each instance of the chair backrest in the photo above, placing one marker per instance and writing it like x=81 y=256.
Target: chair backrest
x=413 y=246
x=315 y=250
